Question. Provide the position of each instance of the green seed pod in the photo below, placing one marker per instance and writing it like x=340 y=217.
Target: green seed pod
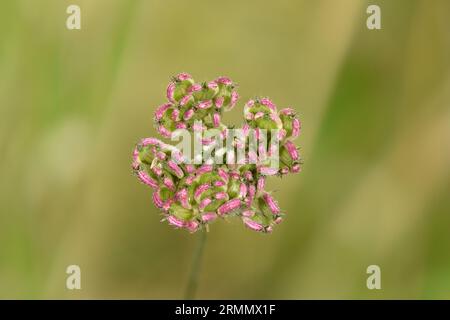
x=285 y=156
x=165 y=193
x=213 y=206
x=287 y=123
x=267 y=122
x=263 y=207
x=146 y=154
x=180 y=212
x=233 y=188
x=179 y=87
x=208 y=91
x=289 y=154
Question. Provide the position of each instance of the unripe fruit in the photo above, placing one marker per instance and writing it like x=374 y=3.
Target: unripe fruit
x=191 y=196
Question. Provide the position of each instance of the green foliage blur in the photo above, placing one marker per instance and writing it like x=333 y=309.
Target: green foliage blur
x=375 y=142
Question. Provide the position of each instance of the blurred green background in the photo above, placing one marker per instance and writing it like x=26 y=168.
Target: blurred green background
x=376 y=143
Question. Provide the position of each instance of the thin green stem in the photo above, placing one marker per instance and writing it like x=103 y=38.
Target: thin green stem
x=195 y=269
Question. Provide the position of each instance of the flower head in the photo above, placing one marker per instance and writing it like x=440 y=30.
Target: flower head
x=193 y=195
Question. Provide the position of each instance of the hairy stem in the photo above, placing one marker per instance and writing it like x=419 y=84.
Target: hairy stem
x=195 y=269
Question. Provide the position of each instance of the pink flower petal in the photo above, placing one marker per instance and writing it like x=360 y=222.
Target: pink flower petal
x=174 y=221
x=145 y=178
x=170 y=92
x=229 y=206
x=252 y=224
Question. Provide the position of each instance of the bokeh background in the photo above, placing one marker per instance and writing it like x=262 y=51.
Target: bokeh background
x=376 y=144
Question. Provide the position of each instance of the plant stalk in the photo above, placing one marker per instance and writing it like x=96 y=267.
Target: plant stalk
x=195 y=268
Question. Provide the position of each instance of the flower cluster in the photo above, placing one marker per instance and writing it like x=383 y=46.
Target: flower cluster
x=189 y=101
x=192 y=195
